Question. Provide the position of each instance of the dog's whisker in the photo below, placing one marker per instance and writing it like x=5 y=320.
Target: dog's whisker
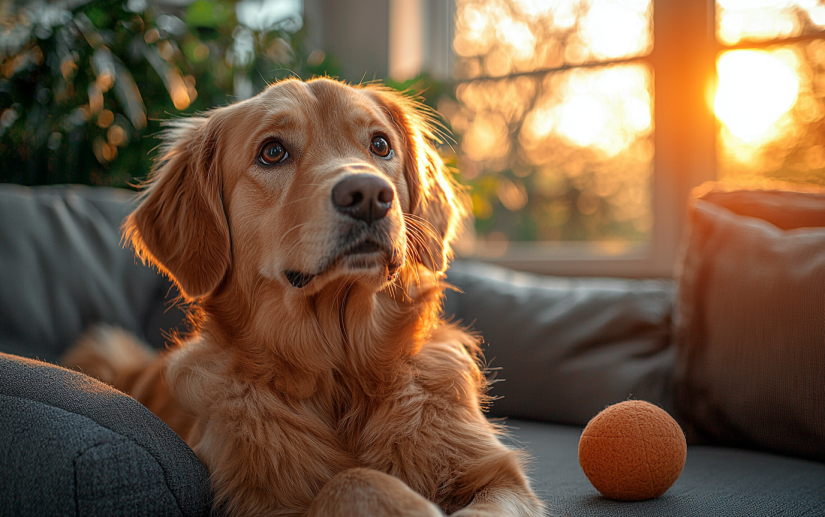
x=294 y=228
x=423 y=224
x=301 y=200
x=418 y=239
x=419 y=234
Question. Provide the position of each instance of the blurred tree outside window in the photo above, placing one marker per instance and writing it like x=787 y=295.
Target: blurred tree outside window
x=84 y=85
x=554 y=109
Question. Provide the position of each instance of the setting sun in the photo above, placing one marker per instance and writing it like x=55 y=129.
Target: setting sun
x=756 y=88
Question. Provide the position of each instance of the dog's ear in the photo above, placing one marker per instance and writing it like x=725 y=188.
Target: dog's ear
x=180 y=224
x=437 y=203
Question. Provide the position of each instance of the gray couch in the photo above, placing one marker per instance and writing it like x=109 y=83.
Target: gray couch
x=563 y=349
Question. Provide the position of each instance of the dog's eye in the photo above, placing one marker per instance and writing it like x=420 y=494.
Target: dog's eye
x=273 y=152
x=380 y=146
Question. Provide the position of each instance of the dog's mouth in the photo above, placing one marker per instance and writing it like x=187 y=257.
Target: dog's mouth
x=364 y=247
x=361 y=255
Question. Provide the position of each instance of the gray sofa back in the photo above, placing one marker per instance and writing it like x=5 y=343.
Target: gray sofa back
x=565 y=348
x=70 y=445
x=64 y=269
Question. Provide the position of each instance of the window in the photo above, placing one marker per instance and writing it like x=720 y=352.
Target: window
x=584 y=124
x=555 y=113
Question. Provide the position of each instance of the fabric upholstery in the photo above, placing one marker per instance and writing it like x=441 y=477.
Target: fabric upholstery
x=751 y=324
x=64 y=269
x=784 y=209
x=715 y=481
x=70 y=445
x=566 y=347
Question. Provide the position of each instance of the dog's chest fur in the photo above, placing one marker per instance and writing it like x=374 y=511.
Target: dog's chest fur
x=393 y=431
x=403 y=429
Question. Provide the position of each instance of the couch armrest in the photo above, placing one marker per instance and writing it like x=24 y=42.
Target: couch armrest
x=72 y=445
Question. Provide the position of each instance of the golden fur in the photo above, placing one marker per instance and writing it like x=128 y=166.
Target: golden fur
x=346 y=396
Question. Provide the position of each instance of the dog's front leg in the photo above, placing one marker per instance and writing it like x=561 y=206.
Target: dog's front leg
x=362 y=492
x=502 y=488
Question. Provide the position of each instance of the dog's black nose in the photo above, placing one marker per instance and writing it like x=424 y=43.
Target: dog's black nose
x=365 y=197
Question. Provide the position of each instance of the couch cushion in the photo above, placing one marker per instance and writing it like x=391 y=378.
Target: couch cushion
x=72 y=445
x=751 y=323
x=62 y=269
x=567 y=347
x=715 y=481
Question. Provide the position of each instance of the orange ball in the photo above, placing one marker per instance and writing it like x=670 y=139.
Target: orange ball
x=632 y=451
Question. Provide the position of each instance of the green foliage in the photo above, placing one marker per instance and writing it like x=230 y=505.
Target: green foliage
x=83 y=91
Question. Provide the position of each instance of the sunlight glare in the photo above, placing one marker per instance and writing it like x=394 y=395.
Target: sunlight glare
x=537 y=125
x=817 y=15
x=614 y=30
x=564 y=15
x=537 y=8
x=504 y=36
x=605 y=109
x=637 y=114
x=755 y=89
x=517 y=35
x=767 y=19
x=582 y=120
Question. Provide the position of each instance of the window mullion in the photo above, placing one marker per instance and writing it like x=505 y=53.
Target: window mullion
x=684 y=73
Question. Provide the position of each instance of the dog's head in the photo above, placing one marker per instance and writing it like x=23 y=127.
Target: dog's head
x=303 y=184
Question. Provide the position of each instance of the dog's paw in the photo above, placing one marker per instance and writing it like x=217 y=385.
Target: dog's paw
x=473 y=512
x=503 y=509
x=370 y=493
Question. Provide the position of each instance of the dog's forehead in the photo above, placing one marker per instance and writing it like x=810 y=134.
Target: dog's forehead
x=329 y=102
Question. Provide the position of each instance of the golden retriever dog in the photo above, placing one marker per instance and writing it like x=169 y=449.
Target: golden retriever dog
x=312 y=225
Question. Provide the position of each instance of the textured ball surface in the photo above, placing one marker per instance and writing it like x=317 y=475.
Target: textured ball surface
x=632 y=451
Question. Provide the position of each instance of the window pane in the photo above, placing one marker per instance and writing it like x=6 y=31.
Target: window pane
x=495 y=38
x=771 y=105
x=754 y=20
x=566 y=156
